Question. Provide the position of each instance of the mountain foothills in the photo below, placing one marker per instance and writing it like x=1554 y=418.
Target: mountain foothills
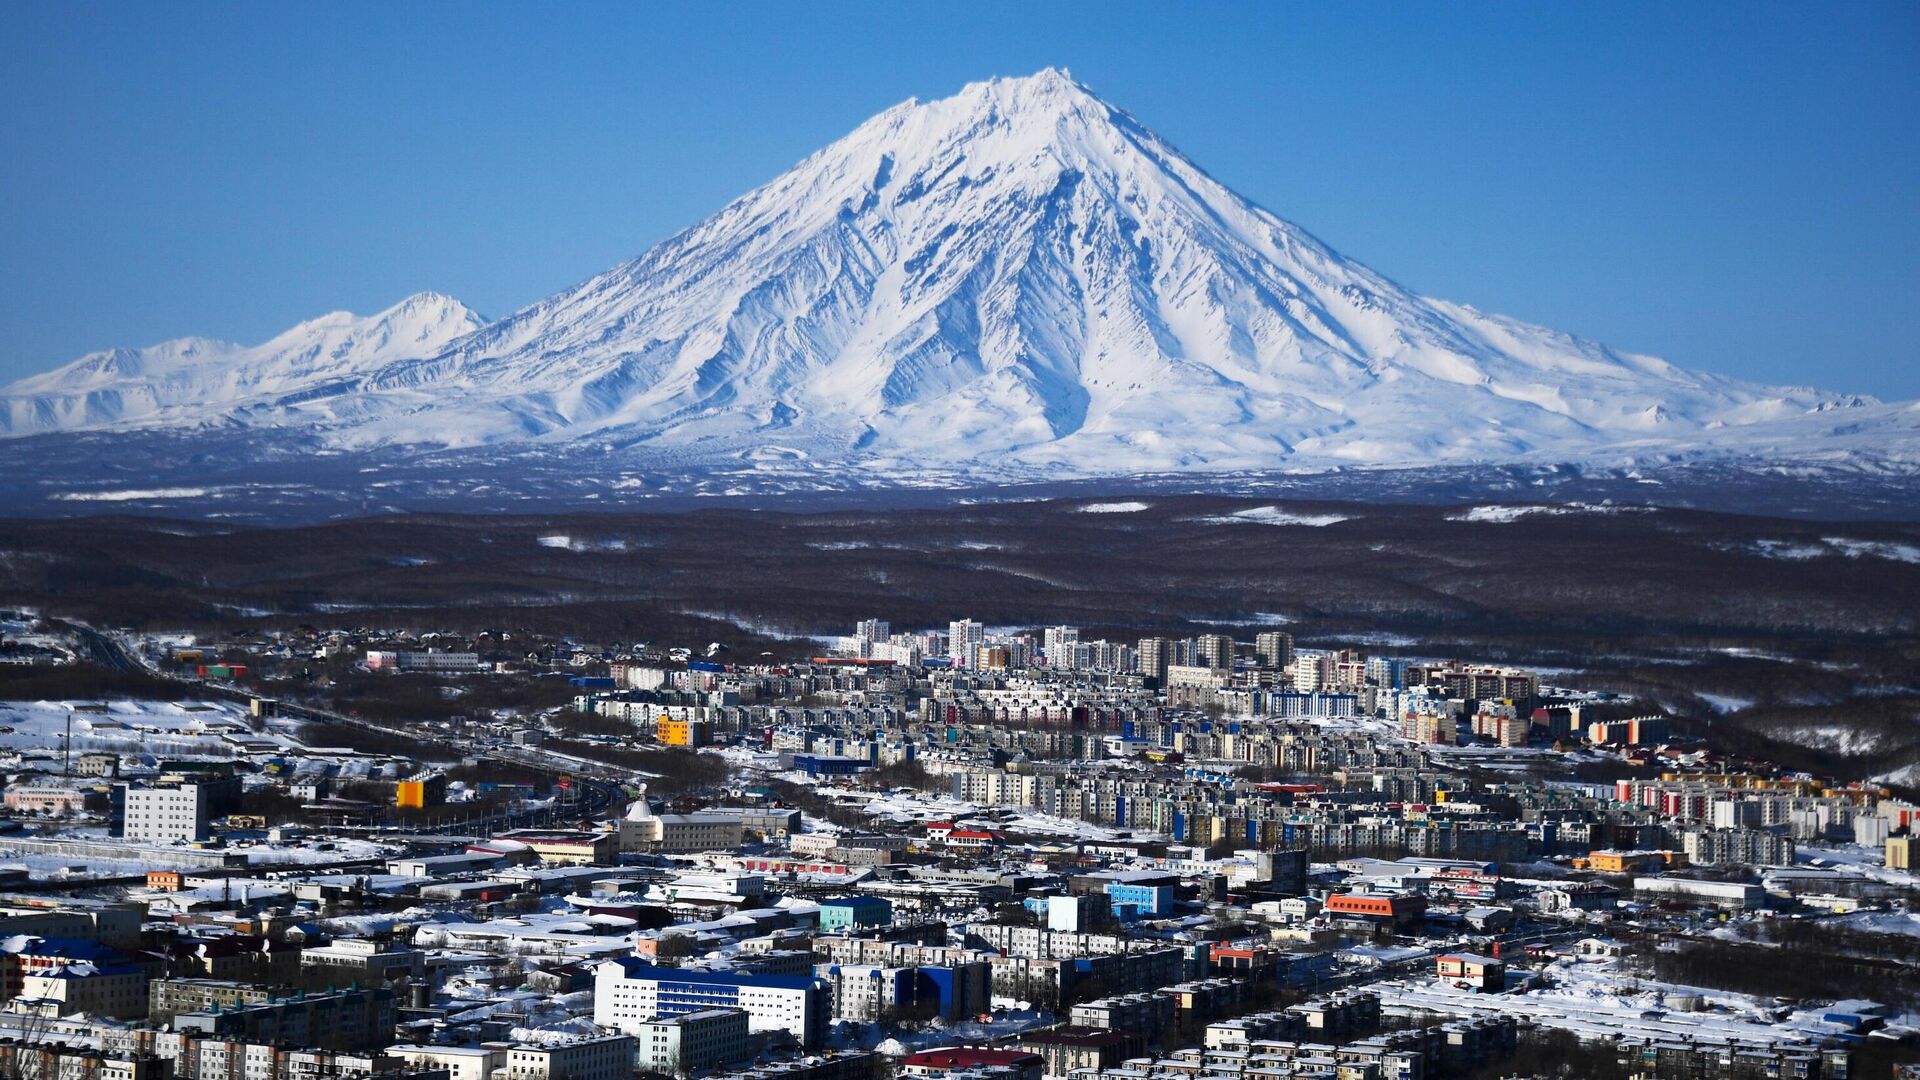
x=1019 y=280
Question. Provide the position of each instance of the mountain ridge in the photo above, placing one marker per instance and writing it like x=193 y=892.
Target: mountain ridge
x=124 y=386
x=1020 y=274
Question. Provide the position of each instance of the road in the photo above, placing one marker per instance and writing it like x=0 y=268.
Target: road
x=106 y=652
x=594 y=793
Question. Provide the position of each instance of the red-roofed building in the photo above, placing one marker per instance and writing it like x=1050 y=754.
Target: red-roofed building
x=1023 y=1064
x=946 y=832
x=976 y=839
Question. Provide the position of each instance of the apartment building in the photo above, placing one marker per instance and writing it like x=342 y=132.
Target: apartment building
x=691 y=1043
x=1273 y=648
x=163 y=814
x=460 y=1062
x=610 y=1057
x=360 y=962
x=628 y=993
x=337 y=1020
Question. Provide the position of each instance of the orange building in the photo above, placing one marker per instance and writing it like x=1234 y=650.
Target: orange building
x=420 y=792
x=1394 y=909
x=689 y=733
x=164 y=880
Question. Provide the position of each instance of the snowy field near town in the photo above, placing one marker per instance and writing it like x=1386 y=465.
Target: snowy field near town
x=142 y=857
x=1601 y=1000
x=70 y=867
x=907 y=807
x=219 y=730
x=162 y=728
x=1868 y=862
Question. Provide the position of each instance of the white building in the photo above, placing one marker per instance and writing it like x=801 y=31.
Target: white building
x=691 y=1042
x=643 y=830
x=461 y=1062
x=360 y=960
x=164 y=814
x=1312 y=670
x=718 y=886
x=117 y=990
x=1061 y=644
x=964 y=637
x=869 y=633
x=868 y=992
x=628 y=993
x=607 y=1058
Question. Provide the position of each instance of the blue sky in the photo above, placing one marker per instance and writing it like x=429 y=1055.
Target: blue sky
x=1735 y=187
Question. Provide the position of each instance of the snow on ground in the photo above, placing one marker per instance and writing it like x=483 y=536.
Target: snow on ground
x=1907 y=553
x=164 y=728
x=384 y=923
x=341 y=850
x=1905 y=923
x=1114 y=508
x=1836 y=738
x=72 y=868
x=1907 y=775
x=1258 y=618
x=754 y=625
x=135 y=494
x=566 y=1028
x=1830 y=546
x=139 y=857
x=745 y=757
x=1504 y=514
x=1788 y=549
x=1726 y=703
x=903 y=807
x=1868 y=862
x=1272 y=515
x=1601 y=1000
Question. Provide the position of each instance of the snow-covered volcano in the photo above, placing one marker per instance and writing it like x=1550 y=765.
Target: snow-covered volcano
x=1018 y=276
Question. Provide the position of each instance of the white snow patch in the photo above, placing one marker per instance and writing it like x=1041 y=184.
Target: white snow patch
x=134 y=494
x=1114 y=508
x=1503 y=514
x=1837 y=738
x=1788 y=549
x=1273 y=515
x=1879 y=549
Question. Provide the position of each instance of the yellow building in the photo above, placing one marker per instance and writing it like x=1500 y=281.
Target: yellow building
x=1899 y=852
x=670 y=732
x=1633 y=862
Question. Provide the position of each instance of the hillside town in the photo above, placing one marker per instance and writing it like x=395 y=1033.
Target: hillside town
x=966 y=853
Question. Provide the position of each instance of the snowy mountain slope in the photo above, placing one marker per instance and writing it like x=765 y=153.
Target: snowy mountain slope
x=1019 y=276
x=199 y=381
